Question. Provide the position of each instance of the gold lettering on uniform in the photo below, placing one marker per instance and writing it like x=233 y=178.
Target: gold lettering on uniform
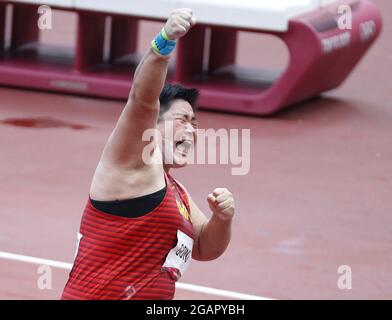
x=183 y=210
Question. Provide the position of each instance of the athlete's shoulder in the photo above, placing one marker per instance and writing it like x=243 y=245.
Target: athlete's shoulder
x=180 y=184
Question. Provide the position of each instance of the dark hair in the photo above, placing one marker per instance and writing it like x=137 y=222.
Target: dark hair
x=173 y=92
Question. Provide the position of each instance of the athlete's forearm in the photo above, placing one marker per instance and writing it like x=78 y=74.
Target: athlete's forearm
x=151 y=72
x=214 y=238
x=149 y=80
x=125 y=145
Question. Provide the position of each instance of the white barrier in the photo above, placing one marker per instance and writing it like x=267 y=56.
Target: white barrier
x=55 y=3
x=250 y=14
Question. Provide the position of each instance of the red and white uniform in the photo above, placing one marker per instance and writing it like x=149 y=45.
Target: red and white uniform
x=133 y=258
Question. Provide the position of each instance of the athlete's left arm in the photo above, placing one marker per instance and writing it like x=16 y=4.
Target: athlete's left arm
x=212 y=236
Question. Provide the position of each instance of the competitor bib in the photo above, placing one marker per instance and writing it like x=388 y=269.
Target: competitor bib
x=78 y=238
x=178 y=259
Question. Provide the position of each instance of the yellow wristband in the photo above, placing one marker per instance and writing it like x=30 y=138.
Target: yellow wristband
x=164 y=34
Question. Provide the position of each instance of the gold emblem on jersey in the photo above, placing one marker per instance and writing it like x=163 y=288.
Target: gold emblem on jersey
x=183 y=210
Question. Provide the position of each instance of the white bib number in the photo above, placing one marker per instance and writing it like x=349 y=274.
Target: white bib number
x=78 y=238
x=180 y=256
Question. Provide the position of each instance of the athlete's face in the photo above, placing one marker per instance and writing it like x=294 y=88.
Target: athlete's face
x=178 y=129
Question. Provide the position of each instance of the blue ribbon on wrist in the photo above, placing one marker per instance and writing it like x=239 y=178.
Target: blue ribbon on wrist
x=162 y=45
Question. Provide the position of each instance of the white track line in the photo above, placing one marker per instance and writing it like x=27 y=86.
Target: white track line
x=183 y=286
x=33 y=260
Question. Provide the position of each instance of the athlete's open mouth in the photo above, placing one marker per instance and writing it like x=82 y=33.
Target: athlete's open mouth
x=184 y=145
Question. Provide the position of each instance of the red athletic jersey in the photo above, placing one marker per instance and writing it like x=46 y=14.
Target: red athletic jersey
x=131 y=258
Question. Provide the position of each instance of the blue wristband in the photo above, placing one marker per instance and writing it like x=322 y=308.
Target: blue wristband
x=162 y=44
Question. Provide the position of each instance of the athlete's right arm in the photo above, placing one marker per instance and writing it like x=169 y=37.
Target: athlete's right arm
x=125 y=145
x=123 y=151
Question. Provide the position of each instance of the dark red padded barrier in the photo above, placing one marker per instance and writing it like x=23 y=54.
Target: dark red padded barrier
x=89 y=50
x=321 y=58
x=311 y=69
x=123 y=37
x=2 y=27
x=24 y=26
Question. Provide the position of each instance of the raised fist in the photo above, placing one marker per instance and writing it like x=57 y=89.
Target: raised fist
x=221 y=203
x=179 y=23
